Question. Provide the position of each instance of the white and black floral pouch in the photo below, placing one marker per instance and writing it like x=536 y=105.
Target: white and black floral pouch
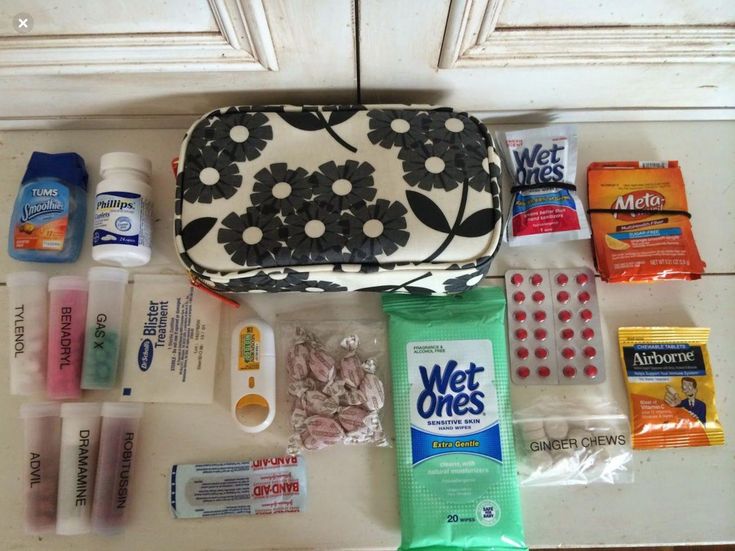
x=338 y=198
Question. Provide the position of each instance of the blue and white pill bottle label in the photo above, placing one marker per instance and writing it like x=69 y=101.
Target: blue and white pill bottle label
x=120 y=219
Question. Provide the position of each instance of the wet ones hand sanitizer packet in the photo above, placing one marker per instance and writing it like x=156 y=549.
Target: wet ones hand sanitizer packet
x=545 y=206
x=454 y=438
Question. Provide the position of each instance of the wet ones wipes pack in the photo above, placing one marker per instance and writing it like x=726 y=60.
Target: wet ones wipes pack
x=545 y=207
x=454 y=439
x=671 y=389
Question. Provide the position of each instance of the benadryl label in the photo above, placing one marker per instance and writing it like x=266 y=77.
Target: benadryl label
x=117 y=219
x=455 y=431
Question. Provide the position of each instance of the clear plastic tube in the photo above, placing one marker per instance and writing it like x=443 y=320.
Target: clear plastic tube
x=28 y=321
x=67 y=314
x=80 y=439
x=41 y=465
x=118 y=447
x=103 y=328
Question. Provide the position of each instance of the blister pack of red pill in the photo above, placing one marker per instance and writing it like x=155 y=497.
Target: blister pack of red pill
x=554 y=331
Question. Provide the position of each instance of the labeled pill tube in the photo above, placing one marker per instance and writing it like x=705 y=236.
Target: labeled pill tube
x=41 y=465
x=118 y=447
x=104 y=323
x=80 y=440
x=67 y=315
x=28 y=320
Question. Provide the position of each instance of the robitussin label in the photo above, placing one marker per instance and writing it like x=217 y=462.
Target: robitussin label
x=454 y=405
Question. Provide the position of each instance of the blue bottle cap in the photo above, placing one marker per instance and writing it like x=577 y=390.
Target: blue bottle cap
x=68 y=167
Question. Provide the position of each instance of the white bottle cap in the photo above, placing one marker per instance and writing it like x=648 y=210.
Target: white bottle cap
x=81 y=409
x=128 y=410
x=40 y=409
x=61 y=283
x=103 y=273
x=20 y=279
x=122 y=160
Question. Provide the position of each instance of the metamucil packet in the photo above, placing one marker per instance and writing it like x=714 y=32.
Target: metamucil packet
x=640 y=222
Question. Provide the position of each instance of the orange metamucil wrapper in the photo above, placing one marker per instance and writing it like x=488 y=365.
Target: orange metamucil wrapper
x=670 y=386
x=641 y=246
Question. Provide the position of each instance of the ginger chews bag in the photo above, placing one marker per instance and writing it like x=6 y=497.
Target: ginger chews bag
x=671 y=389
x=454 y=437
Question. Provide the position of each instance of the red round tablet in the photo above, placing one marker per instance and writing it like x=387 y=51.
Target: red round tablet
x=540 y=334
x=588 y=333
x=516 y=279
x=519 y=316
x=541 y=353
x=562 y=279
x=586 y=315
x=519 y=297
x=584 y=297
x=562 y=296
x=539 y=315
x=568 y=353
x=536 y=280
x=543 y=371
x=589 y=351
x=569 y=371
x=567 y=334
x=582 y=279
x=522 y=353
x=538 y=297
x=523 y=372
x=590 y=371
x=521 y=334
x=565 y=316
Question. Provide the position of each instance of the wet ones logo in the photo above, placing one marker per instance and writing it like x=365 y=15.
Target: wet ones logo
x=450 y=391
x=644 y=200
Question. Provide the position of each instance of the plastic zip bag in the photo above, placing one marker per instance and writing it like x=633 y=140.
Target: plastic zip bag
x=335 y=382
x=572 y=442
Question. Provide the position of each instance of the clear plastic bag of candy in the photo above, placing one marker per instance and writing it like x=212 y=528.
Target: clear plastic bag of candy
x=566 y=442
x=336 y=382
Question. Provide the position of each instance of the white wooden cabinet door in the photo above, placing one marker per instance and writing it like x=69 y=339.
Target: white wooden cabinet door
x=530 y=55
x=139 y=57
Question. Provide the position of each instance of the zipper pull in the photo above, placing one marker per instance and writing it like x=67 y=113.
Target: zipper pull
x=196 y=282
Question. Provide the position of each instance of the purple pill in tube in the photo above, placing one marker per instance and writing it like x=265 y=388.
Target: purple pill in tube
x=113 y=483
x=41 y=465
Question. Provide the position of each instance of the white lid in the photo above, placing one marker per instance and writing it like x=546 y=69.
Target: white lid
x=81 y=409
x=40 y=409
x=77 y=283
x=131 y=410
x=126 y=161
x=19 y=279
x=105 y=273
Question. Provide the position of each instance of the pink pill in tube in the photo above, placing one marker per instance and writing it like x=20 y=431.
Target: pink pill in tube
x=67 y=318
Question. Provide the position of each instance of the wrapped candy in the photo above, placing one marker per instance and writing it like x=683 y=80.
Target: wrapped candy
x=336 y=395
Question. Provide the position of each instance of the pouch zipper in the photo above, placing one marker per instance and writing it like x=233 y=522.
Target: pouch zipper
x=197 y=283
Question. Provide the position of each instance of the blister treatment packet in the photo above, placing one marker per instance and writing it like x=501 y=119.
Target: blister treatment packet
x=454 y=436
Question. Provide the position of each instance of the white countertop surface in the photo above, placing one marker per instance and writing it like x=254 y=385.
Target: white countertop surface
x=684 y=496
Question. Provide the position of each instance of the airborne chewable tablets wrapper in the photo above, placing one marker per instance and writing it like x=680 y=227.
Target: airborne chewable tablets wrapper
x=670 y=387
x=454 y=439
